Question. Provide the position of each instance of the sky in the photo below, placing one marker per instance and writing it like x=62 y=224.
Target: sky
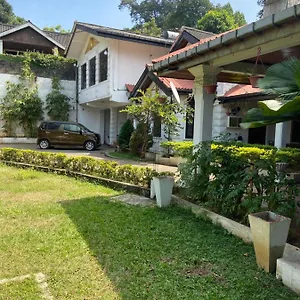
x=101 y=12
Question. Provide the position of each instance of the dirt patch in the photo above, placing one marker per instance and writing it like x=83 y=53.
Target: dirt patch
x=203 y=269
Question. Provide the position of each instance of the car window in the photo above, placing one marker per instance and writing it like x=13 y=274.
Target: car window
x=71 y=128
x=52 y=126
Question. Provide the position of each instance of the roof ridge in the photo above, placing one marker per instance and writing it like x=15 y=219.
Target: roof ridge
x=126 y=31
x=196 y=29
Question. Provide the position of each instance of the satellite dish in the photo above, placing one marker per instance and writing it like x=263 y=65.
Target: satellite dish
x=174 y=91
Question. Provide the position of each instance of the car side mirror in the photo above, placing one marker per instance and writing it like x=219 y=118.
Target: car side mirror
x=80 y=131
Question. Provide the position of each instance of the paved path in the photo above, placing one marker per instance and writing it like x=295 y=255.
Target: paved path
x=98 y=154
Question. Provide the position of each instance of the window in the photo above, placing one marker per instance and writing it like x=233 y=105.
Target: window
x=156 y=131
x=83 y=76
x=51 y=126
x=103 y=61
x=72 y=128
x=92 y=71
x=189 y=126
x=234 y=121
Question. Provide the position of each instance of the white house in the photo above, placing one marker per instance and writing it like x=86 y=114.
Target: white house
x=108 y=59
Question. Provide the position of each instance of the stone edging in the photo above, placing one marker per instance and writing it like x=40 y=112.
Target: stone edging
x=107 y=182
x=17 y=140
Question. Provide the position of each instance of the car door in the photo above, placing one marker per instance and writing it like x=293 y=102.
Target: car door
x=54 y=133
x=73 y=135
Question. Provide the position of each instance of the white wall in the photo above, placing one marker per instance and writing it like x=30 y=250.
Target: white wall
x=100 y=90
x=44 y=88
x=89 y=117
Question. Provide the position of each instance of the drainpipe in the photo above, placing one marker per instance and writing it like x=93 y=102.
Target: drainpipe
x=77 y=92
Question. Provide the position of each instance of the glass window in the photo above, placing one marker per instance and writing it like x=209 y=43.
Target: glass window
x=83 y=76
x=103 y=62
x=52 y=126
x=189 y=126
x=156 y=126
x=92 y=71
x=71 y=128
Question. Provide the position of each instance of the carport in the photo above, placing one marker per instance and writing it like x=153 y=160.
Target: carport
x=230 y=57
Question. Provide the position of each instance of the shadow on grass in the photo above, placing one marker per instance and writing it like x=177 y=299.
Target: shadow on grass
x=151 y=253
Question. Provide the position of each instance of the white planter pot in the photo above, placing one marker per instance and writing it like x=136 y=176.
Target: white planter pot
x=269 y=232
x=162 y=188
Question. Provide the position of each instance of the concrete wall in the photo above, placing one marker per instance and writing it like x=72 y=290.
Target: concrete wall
x=44 y=88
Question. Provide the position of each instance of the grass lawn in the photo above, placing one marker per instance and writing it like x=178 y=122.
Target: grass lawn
x=91 y=248
x=124 y=155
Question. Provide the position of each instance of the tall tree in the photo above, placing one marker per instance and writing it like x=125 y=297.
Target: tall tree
x=221 y=19
x=187 y=13
x=168 y=14
x=57 y=28
x=261 y=12
x=6 y=14
x=148 y=28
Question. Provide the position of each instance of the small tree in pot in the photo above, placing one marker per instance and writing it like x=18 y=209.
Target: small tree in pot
x=145 y=109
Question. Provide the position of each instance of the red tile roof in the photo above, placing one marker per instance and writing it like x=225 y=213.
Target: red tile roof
x=129 y=87
x=180 y=84
x=202 y=41
x=241 y=89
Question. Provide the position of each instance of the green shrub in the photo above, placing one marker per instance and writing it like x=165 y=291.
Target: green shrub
x=138 y=139
x=236 y=181
x=125 y=135
x=181 y=149
x=140 y=176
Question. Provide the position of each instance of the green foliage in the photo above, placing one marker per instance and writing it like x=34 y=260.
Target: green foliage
x=217 y=21
x=38 y=59
x=125 y=134
x=57 y=104
x=22 y=105
x=221 y=19
x=283 y=81
x=236 y=181
x=141 y=140
x=172 y=14
x=57 y=28
x=148 y=28
x=7 y=16
x=182 y=149
x=87 y=165
x=147 y=107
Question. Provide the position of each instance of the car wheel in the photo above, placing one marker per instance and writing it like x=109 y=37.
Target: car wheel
x=89 y=145
x=44 y=144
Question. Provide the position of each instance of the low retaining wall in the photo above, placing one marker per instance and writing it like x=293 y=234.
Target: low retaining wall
x=17 y=140
x=168 y=161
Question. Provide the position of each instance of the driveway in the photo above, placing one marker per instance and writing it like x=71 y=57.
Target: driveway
x=98 y=154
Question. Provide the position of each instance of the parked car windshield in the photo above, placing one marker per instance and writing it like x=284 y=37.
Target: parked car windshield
x=83 y=127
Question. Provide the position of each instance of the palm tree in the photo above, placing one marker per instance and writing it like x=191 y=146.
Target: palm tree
x=283 y=81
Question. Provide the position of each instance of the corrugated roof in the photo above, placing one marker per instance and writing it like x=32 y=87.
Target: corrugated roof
x=202 y=41
x=62 y=38
x=180 y=84
x=197 y=33
x=124 y=33
x=241 y=89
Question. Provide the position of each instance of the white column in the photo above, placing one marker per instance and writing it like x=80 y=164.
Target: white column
x=113 y=125
x=203 y=103
x=282 y=134
x=1 y=46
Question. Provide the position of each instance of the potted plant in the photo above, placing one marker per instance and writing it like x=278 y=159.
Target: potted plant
x=162 y=188
x=255 y=77
x=210 y=88
x=269 y=232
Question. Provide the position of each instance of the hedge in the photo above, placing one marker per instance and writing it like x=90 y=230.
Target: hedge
x=247 y=151
x=140 y=176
